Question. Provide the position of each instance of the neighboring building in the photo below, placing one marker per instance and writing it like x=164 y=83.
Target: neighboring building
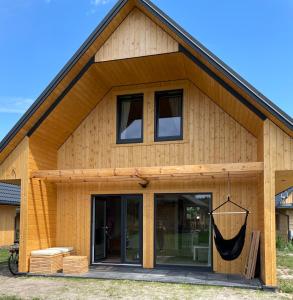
x=9 y=213
x=130 y=146
x=284 y=214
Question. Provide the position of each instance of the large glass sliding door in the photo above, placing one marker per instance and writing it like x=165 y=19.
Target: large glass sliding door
x=117 y=229
x=183 y=229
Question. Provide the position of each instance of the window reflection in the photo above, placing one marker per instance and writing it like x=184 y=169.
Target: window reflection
x=169 y=115
x=183 y=229
x=130 y=114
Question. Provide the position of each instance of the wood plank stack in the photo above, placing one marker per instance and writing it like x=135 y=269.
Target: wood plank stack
x=75 y=265
x=46 y=264
x=249 y=271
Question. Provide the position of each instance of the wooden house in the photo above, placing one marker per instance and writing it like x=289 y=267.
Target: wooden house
x=9 y=213
x=130 y=146
x=284 y=215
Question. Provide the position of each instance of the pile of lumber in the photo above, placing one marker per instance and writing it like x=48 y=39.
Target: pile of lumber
x=249 y=271
x=75 y=265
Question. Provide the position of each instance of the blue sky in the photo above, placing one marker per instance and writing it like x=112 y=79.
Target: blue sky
x=37 y=37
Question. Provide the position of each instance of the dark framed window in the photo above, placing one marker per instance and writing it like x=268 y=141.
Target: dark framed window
x=183 y=230
x=130 y=119
x=169 y=116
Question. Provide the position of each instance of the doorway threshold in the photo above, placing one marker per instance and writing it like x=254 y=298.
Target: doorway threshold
x=116 y=265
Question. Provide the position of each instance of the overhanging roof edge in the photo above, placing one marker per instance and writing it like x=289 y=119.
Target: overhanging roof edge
x=196 y=45
x=221 y=66
x=62 y=74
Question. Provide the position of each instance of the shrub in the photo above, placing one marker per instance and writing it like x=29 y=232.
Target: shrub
x=280 y=243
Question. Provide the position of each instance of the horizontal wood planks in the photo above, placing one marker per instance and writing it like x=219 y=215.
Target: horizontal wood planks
x=136 y=36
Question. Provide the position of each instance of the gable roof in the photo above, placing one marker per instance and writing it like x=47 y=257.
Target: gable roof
x=260 y=100
x=9 y=194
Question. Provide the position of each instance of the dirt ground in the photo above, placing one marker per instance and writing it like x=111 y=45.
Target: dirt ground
x=51 y=288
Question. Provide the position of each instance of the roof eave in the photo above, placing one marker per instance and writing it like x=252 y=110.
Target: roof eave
x=221 y=66
x=186 y=37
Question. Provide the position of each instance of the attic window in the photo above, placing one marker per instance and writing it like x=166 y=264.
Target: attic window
x=130 y=119
x=168 y=121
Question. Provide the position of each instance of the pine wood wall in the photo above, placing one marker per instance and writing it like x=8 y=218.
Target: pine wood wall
x=210 y=136
x=136 y=36
x=41 y=201
x=15 y=168
x=7 y=224
x=74 y=214
x=278 y=155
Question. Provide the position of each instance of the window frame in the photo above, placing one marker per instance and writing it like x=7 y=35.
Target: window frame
x=157 y=106
x=119 y=100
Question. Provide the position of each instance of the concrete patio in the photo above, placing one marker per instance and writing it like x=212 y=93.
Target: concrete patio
x=183 y=276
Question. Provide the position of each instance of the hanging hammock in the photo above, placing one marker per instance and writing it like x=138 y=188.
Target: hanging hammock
x=232 y=248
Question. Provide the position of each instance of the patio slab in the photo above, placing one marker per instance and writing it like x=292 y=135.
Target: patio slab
x=165 y=276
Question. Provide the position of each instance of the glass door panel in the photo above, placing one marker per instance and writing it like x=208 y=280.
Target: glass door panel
x=100 y=230
x=183 y=229
x=117 y=229
x=133 y=229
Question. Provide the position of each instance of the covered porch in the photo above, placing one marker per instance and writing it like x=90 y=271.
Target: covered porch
x=76 y=189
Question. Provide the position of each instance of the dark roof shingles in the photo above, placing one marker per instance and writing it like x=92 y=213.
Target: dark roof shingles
x=9 y=194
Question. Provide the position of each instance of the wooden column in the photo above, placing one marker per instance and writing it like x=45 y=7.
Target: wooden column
x=268 y=245
x=148 y=230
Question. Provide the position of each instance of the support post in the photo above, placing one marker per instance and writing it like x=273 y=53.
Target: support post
x=148 y=230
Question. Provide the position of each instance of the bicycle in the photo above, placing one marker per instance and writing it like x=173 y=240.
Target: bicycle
x=13 y=259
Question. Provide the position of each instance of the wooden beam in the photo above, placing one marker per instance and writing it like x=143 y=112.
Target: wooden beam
x=144 y=174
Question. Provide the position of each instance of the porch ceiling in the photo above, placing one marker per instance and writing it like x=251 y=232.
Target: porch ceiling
x=66 y=115
x=145 y=174
x=284 y=180
x=99 y=78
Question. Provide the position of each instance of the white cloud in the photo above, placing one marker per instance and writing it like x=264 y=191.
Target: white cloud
x=14 y=105
x=99 y=2
x=95 y=4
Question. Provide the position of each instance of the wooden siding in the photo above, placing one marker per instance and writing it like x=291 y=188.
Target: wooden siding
x=210 y=136
x=15 y=167
x=41 y=202
x=7 y=224
x=74 y=213
x=136 y=36
x=283 y=223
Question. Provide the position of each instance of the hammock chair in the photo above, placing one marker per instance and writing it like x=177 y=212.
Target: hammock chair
x=232 y=248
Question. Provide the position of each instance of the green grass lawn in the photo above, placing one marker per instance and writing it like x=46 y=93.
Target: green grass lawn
x=285 y=261
x=3 y=255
